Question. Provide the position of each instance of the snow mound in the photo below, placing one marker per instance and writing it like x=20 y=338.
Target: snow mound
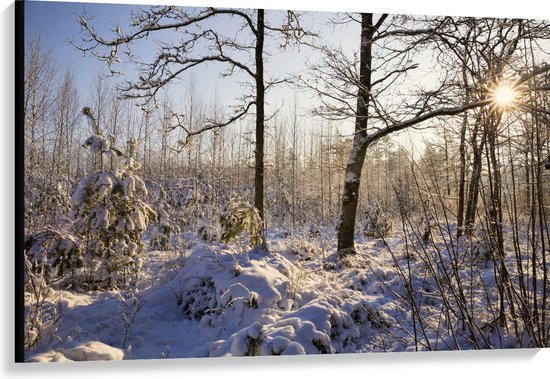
x=322 y=326
x=94 y=351
x=252 y=300
x=217 y=286
x=49 y=356
x=90 y=351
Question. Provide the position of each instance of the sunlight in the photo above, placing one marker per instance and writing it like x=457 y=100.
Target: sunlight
x=505 y=96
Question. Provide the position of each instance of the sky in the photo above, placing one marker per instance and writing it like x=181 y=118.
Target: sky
x=56 y=24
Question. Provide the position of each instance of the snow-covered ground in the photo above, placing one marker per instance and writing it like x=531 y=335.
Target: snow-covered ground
x=215 y=300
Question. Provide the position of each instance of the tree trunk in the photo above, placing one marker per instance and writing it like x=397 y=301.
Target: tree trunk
x=463 y=149
x=473 y=186
x=473 y=191
x=294 y=162
x=462 y=179
x=260 y=118
x=350 y=196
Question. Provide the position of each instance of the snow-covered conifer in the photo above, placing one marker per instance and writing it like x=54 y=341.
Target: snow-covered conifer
x=53 y=253
x=111 y=218
x=240 y=218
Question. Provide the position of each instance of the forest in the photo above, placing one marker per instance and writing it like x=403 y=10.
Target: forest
x=391 y=194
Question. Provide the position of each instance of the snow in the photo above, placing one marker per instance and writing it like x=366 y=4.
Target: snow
x=93 y=351
x=90 y=351
x=351 y=177
x=129 y=184
x=218 y=300
x=97 y=143
x=218 y=303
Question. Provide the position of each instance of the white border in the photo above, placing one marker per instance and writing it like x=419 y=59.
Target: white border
x=486 y=364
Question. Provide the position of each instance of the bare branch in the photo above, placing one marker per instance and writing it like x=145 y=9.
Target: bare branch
x=209 y=124
x=450 y=111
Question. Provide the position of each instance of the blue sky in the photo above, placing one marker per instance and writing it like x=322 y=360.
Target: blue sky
x=56 y=24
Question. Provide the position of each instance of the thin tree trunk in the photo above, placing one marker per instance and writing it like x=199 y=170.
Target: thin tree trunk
x=294 y=161
x=473 y=188
x=321 y=175
x=462 y=179
x=260 y=119
x=462 y=151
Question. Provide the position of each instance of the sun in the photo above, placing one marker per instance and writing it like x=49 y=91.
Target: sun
x=504 y=96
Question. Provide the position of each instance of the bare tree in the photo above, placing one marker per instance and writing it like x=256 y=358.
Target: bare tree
x=39 y=84
x=242 y=52
x=65 y=117
x=381 y=64
x=478 y=52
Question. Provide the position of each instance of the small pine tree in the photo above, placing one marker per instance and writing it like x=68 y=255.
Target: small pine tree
x=240 y=218
x=54 y=254
x=111 y=218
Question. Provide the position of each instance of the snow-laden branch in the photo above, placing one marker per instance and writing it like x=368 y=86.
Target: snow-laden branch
x=149 y=22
